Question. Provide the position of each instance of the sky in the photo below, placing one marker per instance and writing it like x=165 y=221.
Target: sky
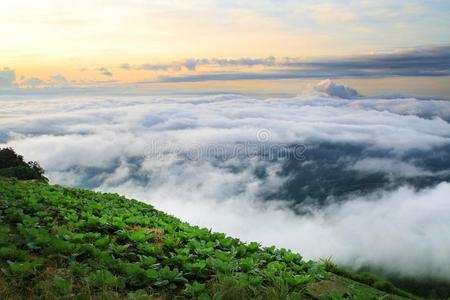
x=104 y=44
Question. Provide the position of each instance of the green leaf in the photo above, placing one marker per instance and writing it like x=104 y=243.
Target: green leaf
x=102 y=278
x=152 y=274
x=61 y=286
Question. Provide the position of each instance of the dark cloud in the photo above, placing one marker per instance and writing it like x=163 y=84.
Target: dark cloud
x=268 y=61
x=430 y=61
x=192 y=63
x=125 y=66
x=104 y=71
x=155 y=67
x=418 y=62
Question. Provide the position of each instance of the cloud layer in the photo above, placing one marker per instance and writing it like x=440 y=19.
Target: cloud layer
x=425 y=61
x=143 y=147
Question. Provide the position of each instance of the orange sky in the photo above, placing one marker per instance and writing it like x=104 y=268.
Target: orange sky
x=86 y=41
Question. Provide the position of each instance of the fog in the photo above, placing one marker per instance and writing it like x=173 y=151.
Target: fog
x=195 y=158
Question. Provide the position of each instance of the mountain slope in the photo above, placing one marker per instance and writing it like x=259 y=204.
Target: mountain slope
x=60 y=242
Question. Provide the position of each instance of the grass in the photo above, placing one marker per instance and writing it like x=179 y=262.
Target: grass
x=62 y=243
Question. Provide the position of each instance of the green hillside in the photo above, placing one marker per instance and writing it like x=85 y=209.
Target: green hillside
x=62 y=243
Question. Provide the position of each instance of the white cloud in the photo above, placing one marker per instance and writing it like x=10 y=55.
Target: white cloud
x=333 y=89
x=390 y=166
x=400 y=231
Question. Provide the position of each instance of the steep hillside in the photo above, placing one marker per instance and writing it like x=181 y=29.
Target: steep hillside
x=67 y=243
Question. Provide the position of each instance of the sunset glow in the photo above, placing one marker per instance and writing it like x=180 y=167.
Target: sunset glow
x=52 y=43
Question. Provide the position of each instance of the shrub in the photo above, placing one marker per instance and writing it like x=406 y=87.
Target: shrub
x=13 y=165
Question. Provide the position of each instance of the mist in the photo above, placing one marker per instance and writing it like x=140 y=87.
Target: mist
x=195 y=157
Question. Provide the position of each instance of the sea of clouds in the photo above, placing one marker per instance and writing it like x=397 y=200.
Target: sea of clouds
x=158 y=150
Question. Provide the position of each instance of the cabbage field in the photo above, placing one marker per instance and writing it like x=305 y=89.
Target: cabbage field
x=61 y=243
